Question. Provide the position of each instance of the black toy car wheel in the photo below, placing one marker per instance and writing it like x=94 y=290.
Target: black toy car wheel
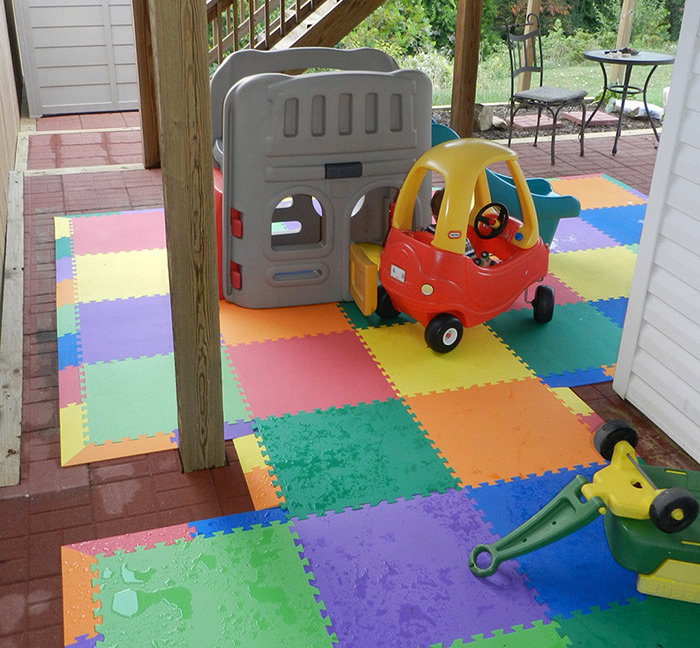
x=443 y=332
x=385 y=309
x=673 y=510
x=609 y=433
x=543 y=304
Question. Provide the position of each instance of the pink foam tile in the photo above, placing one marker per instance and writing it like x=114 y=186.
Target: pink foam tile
x=303 y=374
x=129 y=541
x=562 y=293
x=121 y=232
x=69 y=386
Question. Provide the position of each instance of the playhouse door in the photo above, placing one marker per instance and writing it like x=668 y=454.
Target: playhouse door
x=363 y=276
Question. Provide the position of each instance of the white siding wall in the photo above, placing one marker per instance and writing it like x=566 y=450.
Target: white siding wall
x=658 y=367
x=77 y=55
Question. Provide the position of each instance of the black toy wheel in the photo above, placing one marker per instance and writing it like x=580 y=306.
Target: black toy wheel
x=673 y=509
x=543 y=304
x=385 y=309
x=609 y=433
x=490 y=226
x=443 y=332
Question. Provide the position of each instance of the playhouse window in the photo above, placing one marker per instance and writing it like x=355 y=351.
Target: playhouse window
x=298 y=220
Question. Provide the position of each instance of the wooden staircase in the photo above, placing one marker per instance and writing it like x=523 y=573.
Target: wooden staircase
x=280 y=24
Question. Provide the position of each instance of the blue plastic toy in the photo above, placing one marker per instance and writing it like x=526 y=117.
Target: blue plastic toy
x=550 y=206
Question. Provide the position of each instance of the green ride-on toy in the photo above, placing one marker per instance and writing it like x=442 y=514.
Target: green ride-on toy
x=651 y=519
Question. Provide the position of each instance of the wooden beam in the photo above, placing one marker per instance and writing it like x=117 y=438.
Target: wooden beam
x=533 y=7
x=466 y=64
x=624 y=33
x=147 y=84
x=179 y=30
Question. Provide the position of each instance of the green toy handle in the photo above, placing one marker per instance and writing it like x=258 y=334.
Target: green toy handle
x=565 y=513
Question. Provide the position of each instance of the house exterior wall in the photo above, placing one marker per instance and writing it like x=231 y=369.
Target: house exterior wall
x=658 y=367
x=77 y=55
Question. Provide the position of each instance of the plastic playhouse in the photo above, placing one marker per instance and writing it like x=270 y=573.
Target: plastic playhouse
x=476 y=263
x=651 y=519
x=309 y=165
x=550 y=206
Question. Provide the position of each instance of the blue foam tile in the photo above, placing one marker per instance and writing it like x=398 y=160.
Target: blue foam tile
x=574 y=573
x=228 y=523
x=624 y=224
x=575 y=378
x=613 y=309
x=68 y=352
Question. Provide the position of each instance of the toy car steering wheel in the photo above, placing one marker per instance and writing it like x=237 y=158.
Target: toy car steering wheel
x=494 y=224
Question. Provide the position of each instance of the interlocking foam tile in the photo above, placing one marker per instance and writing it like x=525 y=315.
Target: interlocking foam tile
x=69 y=380
x=578 y=337
x=614 y=309
x=262 y=491
x=77 y=572
x=250 y=454
x=66 y=322
x=68 y=352
x=141 y=390
x=65 y=292
x=85 y=641
x=597 y=191
x=576 y=234
x=308 y=373
x=245 y=325
x=360 y=321
x=71 y=419
x=247 y=589
x=414 y=369
x=574 y=573
x=64 y=268
x=229 y=523
x=326 y=460
x=624 y=224
x=654 y=622
x=115 y=232
x=538 y=636
x=125 y=328
x=562 y=294
x=596 y=274
x=120 y=275
x=396 y=575
x=130 y=541
x=526 y=430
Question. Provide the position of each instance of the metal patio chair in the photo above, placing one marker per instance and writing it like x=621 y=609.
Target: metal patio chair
x=525 y=53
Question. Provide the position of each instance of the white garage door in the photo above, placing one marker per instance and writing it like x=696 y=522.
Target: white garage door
x=77 y=55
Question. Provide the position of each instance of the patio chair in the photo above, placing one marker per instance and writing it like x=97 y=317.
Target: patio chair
x=525 y=53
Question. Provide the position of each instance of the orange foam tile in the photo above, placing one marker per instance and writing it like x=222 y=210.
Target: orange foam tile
x=117 y=449
x=596 y=191
x=504 y=430
x=262 y=492
x=78 y=570
x=245 y=325
x=65 y=292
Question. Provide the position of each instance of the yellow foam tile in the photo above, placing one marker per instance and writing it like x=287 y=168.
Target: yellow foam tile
x=120 y=275
x=571 y=400
x=594 y=192
x=62 y=227
x=245 y=325
x=503 y=431
x=71 y=419
x=413 y=368
x=603 y=273
x=249 y=453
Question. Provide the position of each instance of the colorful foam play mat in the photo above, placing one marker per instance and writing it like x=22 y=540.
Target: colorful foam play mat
x=374 y=464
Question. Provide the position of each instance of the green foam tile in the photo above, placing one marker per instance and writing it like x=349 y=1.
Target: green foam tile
x=247 y=589
x=130 y=398
x=63 y=247
x=332 y=459
x=359 y=321
x=653 y=622
x=66 y=320
x=537 y=636
x=578 y=337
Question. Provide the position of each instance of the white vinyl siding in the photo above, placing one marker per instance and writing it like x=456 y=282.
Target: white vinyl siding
x=77 y=55
x=658 y=367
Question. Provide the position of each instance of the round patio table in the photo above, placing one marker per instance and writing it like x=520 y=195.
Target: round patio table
x=642 y=58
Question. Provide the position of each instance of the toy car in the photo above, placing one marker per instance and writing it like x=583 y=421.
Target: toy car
x=651 y=519
x=476 y=263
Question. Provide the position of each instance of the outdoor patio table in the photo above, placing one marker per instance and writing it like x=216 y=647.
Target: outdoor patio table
x=649 y=59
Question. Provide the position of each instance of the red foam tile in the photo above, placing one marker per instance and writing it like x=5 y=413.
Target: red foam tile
x=303 y=374
x=562 y=294
x=115 y=232
x=130 y=541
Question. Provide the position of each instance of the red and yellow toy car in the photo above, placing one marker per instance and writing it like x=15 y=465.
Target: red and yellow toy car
x=472 y=267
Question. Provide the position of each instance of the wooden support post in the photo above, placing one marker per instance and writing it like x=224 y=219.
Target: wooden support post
x=624 y=33
x=466 y=65
x=147 y=85
x=179 y=30
x=533 y=7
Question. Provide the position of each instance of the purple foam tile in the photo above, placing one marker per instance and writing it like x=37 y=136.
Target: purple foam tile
x=83 y=641
x=236 y=430
x=396 y=574
x=64 y=268
x=575 y=234
x=125 y=328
